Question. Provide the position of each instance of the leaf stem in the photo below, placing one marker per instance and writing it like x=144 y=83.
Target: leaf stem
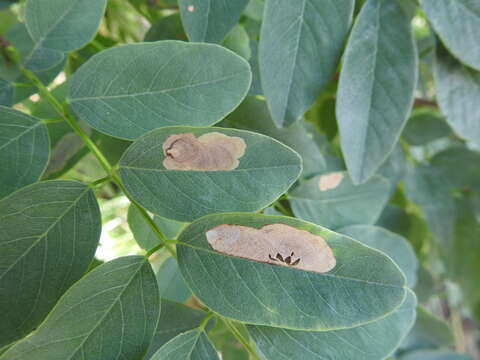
x=205 y=321
x=457 y=325
x=241 y=338
x=64 y=113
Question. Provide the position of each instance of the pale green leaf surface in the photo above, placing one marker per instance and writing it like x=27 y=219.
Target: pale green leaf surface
x=458 y=91
x=63 y=25
x=395 y=246
x=175 y=319
x=187 y=195
x=300 y=46
x=210 y=20
x=434 y=355
x=364 y=285
x=24 y=149
x=376 y=86
x=49 y=232
x=373 y=341
x=347 y=204
x=171 y=284
x=238 y=41
x=109 y=314
x=131 y=89
x=191 y=345
x=457 y=22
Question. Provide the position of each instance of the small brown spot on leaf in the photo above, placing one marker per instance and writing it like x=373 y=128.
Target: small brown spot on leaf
x=210 y=152
x=277 y=244
x=330 y=181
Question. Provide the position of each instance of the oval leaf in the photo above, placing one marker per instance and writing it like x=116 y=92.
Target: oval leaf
x=457 y=22
x=186 y=195
x=191 y=345
x=375 y=95
x=363 y=286
x=131 y=89
x=63 y=25
x=210 y=20
x=111 y=313
x=395 y=246
x=171 y=284
x=333 y=201
x=458 y=90
x=348 y=344
x=49 y=232
x=24 y=149
x=299 y=49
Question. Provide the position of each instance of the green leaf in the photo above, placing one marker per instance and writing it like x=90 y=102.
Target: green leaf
x=63 y=25
x=238 y=41
x=6 y=93
x=363 y=286
x=167 y=28
x=131 y=89
x=110 y=313
x=210 y=20
x=143 y=233
x=394 y=168
x=49 y=232
x=395 y=219
x=175 y=319
x=373 y=341
x=343 y=205
x=428 y=187
x=457 y=22
x=171 y=284
x=434 y=355
x=300 y=46
x=375 y=95
x=458 y=90
x=424 y=127
x=187 y=195
x=395 y=246
x=428 y=332
x=24 y=149
x=253 y=115
x=191 y=345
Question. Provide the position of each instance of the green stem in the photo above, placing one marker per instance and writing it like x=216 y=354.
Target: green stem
x=205 y=321
x=99 y=181
x=241 y=338
x=457 y=325
x=282 y=208
x=97 y=153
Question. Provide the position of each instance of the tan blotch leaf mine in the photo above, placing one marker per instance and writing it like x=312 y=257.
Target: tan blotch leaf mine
x=277 y=244
x=330 y=181
x=210 y=152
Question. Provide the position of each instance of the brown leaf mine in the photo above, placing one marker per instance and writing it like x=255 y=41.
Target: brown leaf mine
x=277 y=244
x=210 y=152
x=330 y=181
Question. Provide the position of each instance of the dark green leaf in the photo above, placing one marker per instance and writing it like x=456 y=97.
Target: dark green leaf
x=373 y=341
x=191 y=345
x=24 y=149
x=238 y=41
x=395 y=218
x=171 y=284
x=299 y=49
x=458 y=91
x=174 y=320
x=363 y=286
x=210 y=20
x=49 y=232
x=457 y=22
x=341 y=205
x=63 y=25
x=131 y=89
x=111 y=313
x=375 y=95
x=6 y=93
x=143 y=233
x=167 y=28
x=395 y=246
x=182 y=195
x=425 y=126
